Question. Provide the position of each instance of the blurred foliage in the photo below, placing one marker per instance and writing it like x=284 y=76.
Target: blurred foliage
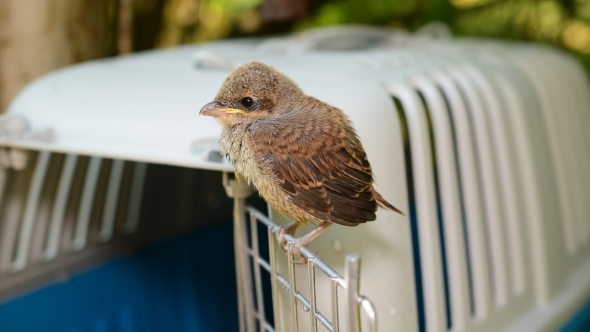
x=563 y=23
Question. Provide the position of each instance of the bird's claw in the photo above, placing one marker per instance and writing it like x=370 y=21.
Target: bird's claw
x=294 y=249
x=303 y=260
x=282 y=240
x=282 y=234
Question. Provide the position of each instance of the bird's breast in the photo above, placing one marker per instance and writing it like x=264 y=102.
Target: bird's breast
x=236 y=145
x=253 y=167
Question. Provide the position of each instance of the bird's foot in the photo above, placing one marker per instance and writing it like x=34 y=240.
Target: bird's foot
x=294 y=248
x=282 y=239
x=283 y=231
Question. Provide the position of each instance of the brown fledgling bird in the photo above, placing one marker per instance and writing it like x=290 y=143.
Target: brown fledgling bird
x=303 y=155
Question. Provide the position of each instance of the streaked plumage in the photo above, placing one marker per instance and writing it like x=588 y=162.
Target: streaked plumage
x=303 y=155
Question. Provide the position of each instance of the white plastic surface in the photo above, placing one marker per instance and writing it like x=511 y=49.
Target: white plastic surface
x=510 y=149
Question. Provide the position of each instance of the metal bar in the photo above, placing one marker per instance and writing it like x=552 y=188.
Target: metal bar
x=351 y=277
x=246 y=276
x=335 y=318
x=31 y=206
x=239 y=191
x=353 y=273
x=293 y=288
x=312 y=294
x=9 y=224
x=321 y=264
x=239 y=270
x=256 y=266
x=5 y=235
x=305 y=303
x=281 y=281
x=369 y=309
x=272 y=254
x=83 y=217
x=268 y=327
x=112 y=198
x=305 y=252
x=263 y=263
x=232 y=190
x=139 y=172
x=59 y=207
x=262 y=218
x=2 y=181
x=241 y=308
x=243 y=273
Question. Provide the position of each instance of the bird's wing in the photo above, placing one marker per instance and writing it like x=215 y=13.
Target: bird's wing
x=323 y=169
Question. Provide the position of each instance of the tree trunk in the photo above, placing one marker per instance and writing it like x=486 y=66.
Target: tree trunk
x=39 y=36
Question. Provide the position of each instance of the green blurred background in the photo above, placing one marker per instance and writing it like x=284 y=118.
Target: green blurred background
x=565 y=23
x=40 y=36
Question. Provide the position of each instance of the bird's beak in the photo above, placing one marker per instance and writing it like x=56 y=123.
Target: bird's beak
x=216 y=109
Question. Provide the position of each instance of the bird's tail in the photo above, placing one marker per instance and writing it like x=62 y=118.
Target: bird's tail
x=385 y=204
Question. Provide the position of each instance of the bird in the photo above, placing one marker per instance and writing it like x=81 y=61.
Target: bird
x=303 y=155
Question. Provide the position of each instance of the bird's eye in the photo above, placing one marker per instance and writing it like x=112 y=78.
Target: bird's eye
x=247 y=102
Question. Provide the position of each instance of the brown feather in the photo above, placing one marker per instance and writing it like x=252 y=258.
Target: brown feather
x=302 y=154
x=329 y=178
x=385 y=204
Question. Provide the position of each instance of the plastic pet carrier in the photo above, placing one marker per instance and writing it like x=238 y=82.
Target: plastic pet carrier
x=118 y=212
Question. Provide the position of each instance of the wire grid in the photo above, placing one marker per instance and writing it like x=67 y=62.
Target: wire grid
x=252 y=316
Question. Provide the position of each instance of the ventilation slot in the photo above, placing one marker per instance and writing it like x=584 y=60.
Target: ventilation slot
x=449 y=204
x=488 y=175
x=46 y=202
x=526 y=181
x=412 y=216
x=423 y=197
x=464 y=173
x=501 y=136
x=443 y=245
x=61 y=202
x=62 y=213
x=59 y=205
x=16 y=200
x=469 y=191
x=576 y=100
x=555 y=154
x=570 y=145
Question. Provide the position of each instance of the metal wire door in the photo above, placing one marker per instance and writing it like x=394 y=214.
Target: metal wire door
x=250 y=263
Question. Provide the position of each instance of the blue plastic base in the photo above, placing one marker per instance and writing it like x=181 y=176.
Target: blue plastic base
x=187 y=284
x=580 y=322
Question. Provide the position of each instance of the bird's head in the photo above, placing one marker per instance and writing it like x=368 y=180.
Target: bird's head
x=253 y=91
